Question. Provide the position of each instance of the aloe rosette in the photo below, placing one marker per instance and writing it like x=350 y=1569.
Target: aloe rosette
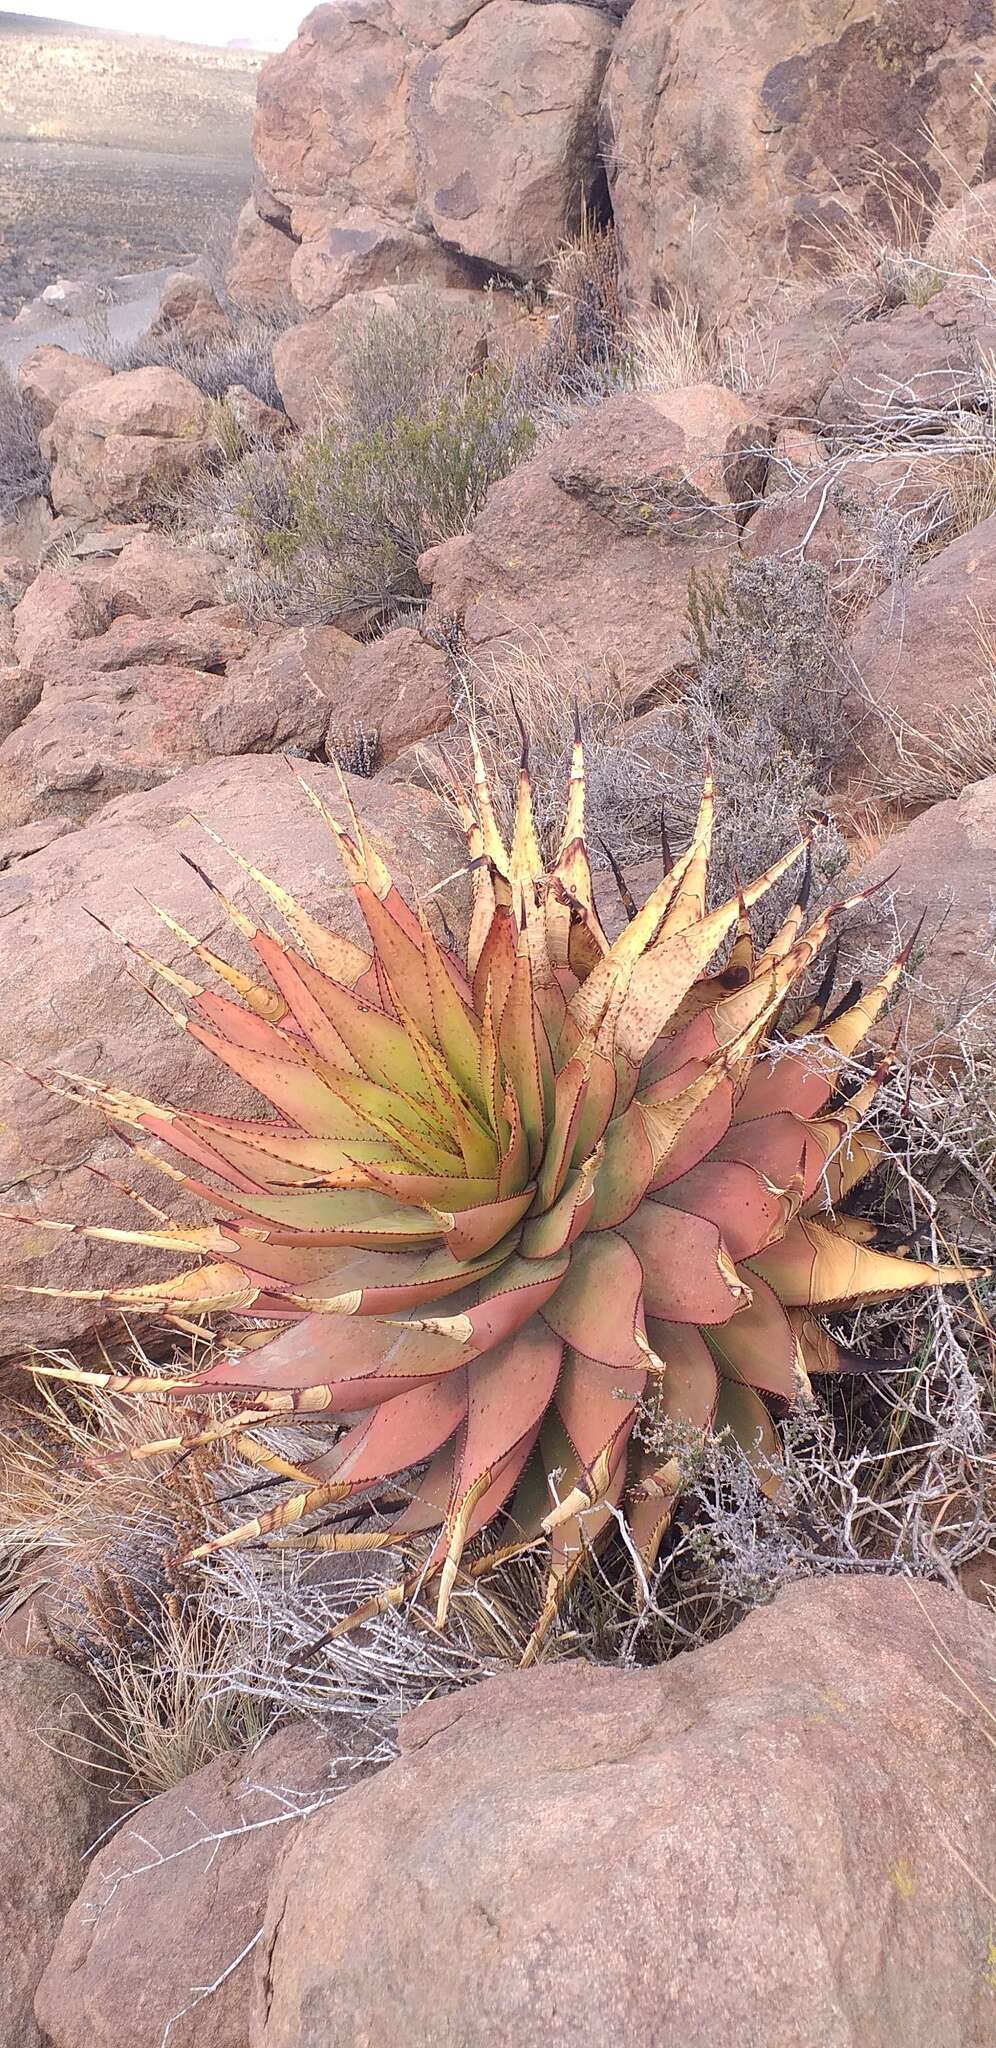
x=508 y=1201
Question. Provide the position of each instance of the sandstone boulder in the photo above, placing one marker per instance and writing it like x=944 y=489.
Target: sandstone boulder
x=331 y=118
x=912 y=365
x=918 y=653
x=583 y=553
x=963 y=236
x=782 y=1839
x=504 y=120
x=944 y=865
x=363 y=250
x=66 y=1000
x=19 y=693
x=255 y=420
x=395 y=691
x=116 y=443
x=858 y=517
x=174 y=1898
x=57 y=612
x=154 y=577
x=733 y=135
x=258 y=274
x=190 y=310
x=282 y=694
x=50 y=375
x=54 y=1804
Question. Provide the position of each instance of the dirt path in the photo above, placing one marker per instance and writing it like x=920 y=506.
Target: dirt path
x=134 y=306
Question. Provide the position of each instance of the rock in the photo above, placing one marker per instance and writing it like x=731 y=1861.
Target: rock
x=281 y=694
x=25 y=535
x=255 y=420
x=175 y=1897
x=70 y=297
x=258 y=275
x=917 y=652
x=57 y=612
x=802 y=350
x=66 y=1001
x=782 y=1839
x=116 y=443
x=858 y=517
x=50 y=375
x=363 y=250
x=19 y=693
x=27 y=839
x=730 y=134
x=152 y=577
x=331 y=127
x=55 y=1802
x=190 y=309
x=308 y=358
x=396 y=690
x=431 y=21
x=726 y=449
x=121 y=713
x=504 y=120
x=591 y=543
x=913 y=363
x=944 y=865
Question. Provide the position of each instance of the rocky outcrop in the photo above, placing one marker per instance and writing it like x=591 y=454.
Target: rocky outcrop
x=282 y=694
x=116 y=443
x=258 y=274
x=55 y=1802
x=782 y=1839
x=733 y=135
x=504 y=122
x=65 y=1000
x=584 y=552
x=191 y=310
x=175 y=1898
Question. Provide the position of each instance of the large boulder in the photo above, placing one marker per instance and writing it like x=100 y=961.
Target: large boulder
x=395 y=691
x=67 y=1001
x=912 y=365
x=942 y=868
x=49 y=375
x=120 y=712
x=115 y=444
x=782 y=1839
x=190 y=310
x=918 y=653
x=737 y=139
x=282 y=694
x=331 y=127
x=258 y=273
x=175 y=1898
x=55 y=1802
x=504 y=121
x=362 y=250
x=584 y=552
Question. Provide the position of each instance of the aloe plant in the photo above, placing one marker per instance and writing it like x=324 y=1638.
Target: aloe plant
x=508 y=1201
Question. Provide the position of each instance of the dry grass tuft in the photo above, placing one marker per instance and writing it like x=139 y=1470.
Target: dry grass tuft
x=23 y=470
x=932 y=767
x=244 y=355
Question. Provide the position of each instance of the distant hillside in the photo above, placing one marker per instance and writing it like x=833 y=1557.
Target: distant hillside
x=60 y=83
x=117 y=152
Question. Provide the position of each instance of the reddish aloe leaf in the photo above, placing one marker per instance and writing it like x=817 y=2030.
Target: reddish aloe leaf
x=688 y=1275
x=598 y=1309
x=745 y=1209
x=397 y=1435
x=758 y=1348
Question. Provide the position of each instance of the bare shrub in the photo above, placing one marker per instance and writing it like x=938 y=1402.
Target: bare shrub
x=931 y=767
x=23 y=470
x=241 y=355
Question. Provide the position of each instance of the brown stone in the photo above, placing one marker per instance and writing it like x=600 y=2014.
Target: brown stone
x=395 y=691
x=917 y=654
x=282 y=694
x=175 y=1897
x=153 y=577
x=116 y=443
x=256 y=420
x=67 y=1001
x=583 y=554
x=20 y=690
x=363 y=250
x=26 y=534
x=57 y=612
x=190 y=309
x=912 y=364
x=732 y=134
x=944 y=865
x=50 y=375
x=782 y=1839
x=504 y=120
x=258 y=275
x=55 y=1802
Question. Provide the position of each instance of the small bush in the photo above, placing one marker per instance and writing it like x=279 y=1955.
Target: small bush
x=23 y=470
x=335 y=524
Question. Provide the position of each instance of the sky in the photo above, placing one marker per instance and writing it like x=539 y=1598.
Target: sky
x=271 y=23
